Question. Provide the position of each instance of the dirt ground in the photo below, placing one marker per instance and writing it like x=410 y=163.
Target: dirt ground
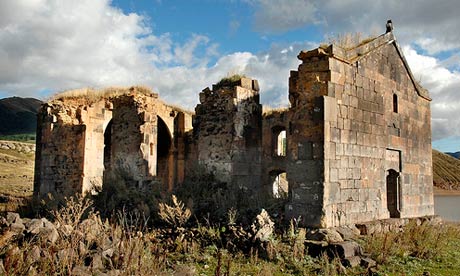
x=16 y=173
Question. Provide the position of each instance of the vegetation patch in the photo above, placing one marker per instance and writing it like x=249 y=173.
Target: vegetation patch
x=229 y=81
x=77 y=241
x=25 y=138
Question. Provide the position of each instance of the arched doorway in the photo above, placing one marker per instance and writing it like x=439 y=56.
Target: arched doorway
x=164 y=143
x=279 y=145
x=108 y=146
x=393 y=194
x=280 y=184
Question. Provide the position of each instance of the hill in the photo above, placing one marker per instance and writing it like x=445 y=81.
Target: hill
x=446 y=171
x=454 y=154
x=18 y=115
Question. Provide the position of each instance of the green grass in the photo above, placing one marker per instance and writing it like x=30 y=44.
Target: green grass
x=417 y=250
x=26 y=137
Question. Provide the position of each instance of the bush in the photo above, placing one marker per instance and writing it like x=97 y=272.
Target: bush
x=120 y=195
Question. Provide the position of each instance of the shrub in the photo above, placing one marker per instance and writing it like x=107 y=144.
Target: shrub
x=175 y=215
x=229 y=81
x=121 y=195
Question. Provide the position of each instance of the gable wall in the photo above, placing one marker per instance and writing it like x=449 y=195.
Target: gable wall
x=360 y=142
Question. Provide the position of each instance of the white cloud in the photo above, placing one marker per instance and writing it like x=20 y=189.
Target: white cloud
x=433 y=25
x=57 y=45
x=443 y=85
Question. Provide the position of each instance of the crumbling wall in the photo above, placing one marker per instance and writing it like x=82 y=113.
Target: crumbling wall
x=227 y=129
x=305 y=151
x=84 y=140
x=61 y=149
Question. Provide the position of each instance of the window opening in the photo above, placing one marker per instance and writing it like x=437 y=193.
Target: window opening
x=395 y=103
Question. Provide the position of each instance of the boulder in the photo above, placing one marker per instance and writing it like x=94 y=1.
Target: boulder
x=327 y=235
x=17 y=227
x=66 y=230
x=34 y=254
x=34 y=226
x=348 y=232
x=12 y=217
x=344 y=249
x=367 y=262
x=352 y=261
x=315 y=248
x=263 y=226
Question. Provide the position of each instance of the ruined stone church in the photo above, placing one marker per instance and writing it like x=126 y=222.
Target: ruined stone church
x=353 y=146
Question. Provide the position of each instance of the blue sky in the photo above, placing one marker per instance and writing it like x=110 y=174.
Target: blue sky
x=180 y=47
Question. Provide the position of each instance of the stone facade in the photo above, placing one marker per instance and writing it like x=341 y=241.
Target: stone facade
x=354 y=145
x=227 y=128
x=131 y=134
x=370 y=121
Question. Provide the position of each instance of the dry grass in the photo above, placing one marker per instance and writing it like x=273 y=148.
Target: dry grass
x=180 y=108
x=268 y=110
x=93 y=95
x=446 y=171
x=229 y=80
x=175 y=214
x=16 y=173
x=349 y=40
x=94 y=247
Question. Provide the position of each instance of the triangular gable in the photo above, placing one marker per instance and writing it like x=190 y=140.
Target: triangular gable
x=362 y=50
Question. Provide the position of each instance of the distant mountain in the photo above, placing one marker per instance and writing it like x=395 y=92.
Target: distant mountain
x=18 y=115
x=454 y=154
x=446 y=171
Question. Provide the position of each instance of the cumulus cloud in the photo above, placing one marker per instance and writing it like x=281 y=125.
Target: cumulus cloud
x=443 y=85
x=431 y=24
x=52 y=45
x=55 y=45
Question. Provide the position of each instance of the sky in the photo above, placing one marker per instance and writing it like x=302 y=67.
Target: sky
x=179 y=48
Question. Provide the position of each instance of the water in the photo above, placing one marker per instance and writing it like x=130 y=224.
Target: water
x=448 y=207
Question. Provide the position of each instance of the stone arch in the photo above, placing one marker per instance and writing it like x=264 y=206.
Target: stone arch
x=108 y=145
x=279 y=141
x=164 y=152
x=279 y=183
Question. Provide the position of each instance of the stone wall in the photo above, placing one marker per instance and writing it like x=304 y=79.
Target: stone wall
x=305 y=170
x=365 y=138
x=273 y=163
x=82 y=141
x=227 y=129
x=60 y=150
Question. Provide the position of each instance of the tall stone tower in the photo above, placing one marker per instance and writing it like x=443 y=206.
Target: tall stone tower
x=227 y=126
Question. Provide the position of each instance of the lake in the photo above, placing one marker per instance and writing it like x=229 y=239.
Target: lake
x=447 y=206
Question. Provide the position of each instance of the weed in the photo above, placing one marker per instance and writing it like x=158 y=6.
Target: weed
x=176 y=214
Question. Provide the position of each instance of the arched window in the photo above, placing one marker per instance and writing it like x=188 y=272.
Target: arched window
x=280 y=184
x=108 y=145
x=279 y=143
x=395 y=103
x=152 y=148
